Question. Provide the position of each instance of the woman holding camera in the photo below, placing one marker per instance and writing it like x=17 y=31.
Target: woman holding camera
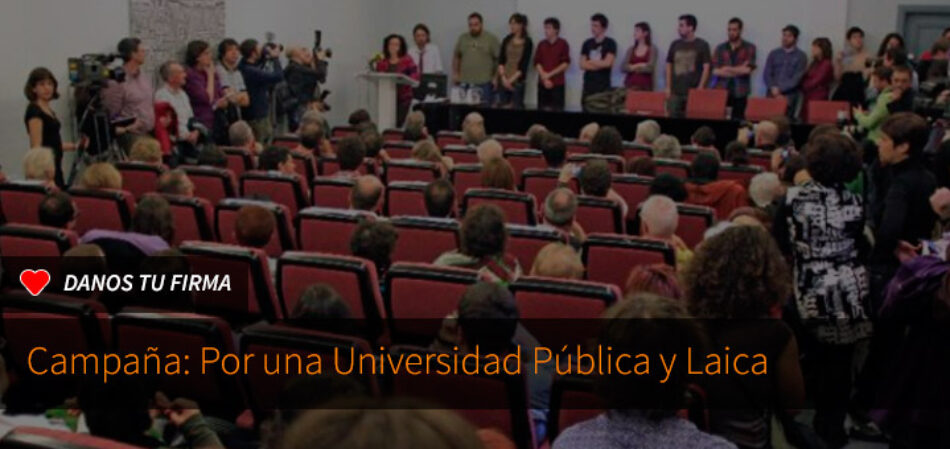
x=42 y=125
x=397 y=60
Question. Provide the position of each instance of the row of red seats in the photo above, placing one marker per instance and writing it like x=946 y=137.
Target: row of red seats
x=710 y=104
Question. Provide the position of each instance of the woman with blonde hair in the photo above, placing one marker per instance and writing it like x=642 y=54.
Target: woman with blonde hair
x=428 y=151
x=146 y=149
x=39 y=165
x=498 y=174
x=101 y=175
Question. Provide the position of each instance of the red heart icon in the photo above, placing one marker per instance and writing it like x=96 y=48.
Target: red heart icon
x=34 y=280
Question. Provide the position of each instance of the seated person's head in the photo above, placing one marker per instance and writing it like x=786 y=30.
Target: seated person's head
x=659 y=217
x=764 y=188
x=487 y=318
x=588 y=132
x=766 y=135
x=350 y=152
x=483 y=232
x=146 y=149
x=560 y=206
x=658 y=279
x=557 y=260
x=648 y=324
x=750 y=216
x=358 y=117
x=790 y=167
x=647 y=132
x=903 y=136
x=254 y=226
x=153 y=216
x=670 y=186
x=166 y=263
x=704 y=168
x=536 y=134
x=427 y=151
x=488 y=150
x=641 y=165
x=313 y=116
x=212 y=156
x=704 y=137
x=278 y=159
x=311 y=135
x=607 y=140
x=820 y=130
x=474 y=133
x=176 y=182
x=595 y=178
x=101 y=175
x=39 y=165
x=85 y=259
x=783 y=129
x=737 y=153
x=320 y=307
x=498 y=174
x=473 y=118
x=57 y=211
x=371 y=423
x=367 y=193
x=667 y=147
x=415 y=128
x=241 y=135
x=553 y=149
x=440 y=198
x=374 y=240
x=372 y=141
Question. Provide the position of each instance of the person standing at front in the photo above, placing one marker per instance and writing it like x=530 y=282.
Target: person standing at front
x=551 y=60
x=733 y=63
x=687 y=65
x=476 y=58
x=597 y=58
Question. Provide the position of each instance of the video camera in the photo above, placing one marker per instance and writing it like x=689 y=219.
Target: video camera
x=317 y=47
x=925 y=102
x=94 y=70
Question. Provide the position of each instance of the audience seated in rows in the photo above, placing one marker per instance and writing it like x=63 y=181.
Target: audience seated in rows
x=588 y=132
x=146 y=150
x=554 y=150
x=659 y=220
x=704 y=189
x=704 y=139
x=736 y=153
x=595 y=180
x=484 y=239
x=428 y=151
x=350 y=153
x=175 y=182
x=536 y=134
x=253 y=228
x=415 y=129
x=658 y=279
x=557 y=260
x=473 y=129
x=641 y=165
x=667 y=147
x=498 y=174
x=151 y=231
x=439 y=198
x=489 y=149
x=277 y=159
x=607 y=141
x=241 y=135
x=375 y=241
x=58 y=210
x=560 y=208
x=647 y=132
x=367 y=194
x=39 y=165
x=100 y=175
x=212 y=156
x=670 y=186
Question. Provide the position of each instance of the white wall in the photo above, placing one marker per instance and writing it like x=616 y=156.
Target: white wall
x=763 y=21
x=879 y=17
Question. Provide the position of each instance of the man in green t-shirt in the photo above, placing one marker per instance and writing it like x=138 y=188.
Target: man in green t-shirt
x=475 y=58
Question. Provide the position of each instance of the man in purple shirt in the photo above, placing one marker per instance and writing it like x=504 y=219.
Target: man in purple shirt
x=133 y=97
x=784 y=69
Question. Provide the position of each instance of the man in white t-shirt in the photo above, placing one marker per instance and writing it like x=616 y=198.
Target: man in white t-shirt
x=173 y=74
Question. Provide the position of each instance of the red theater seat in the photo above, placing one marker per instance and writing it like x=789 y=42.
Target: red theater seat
x=540 y=182
x=240 y=160
x=406 y=198
x=519 y=207
x=466 y=176
x=633 y=189
x=399 y=150
x=764 y=108
x=327 y=166
x=326 y=230
x=409 y=170
x=445 y=138
x=613 y=161
x=212 y=184
x=423 y=239
x=331 y=192
x=20 y=200
x=599 y=215
x=189 y=335
x=393 y=135
x=524 y=242
x=280 y=188
x=24 y=246
x=226 y=216
x=512 y=141
x=242 y=264
x=419 y=296
x=305 y=165
x=741 y=173
x=103 y=209
x=353 y=278
x=760 y=158
x=286 y=141
x=523 y=160
x=646 y=103
x=633 y=149
x=677 y=168
x=827 y=112
x=610 y=257
x=542 y=299
x=707 y=104
x=461 y=154
x=575 y=146
x=139 y=178
x=344 y=131
x=694 y=221
x=193 y=218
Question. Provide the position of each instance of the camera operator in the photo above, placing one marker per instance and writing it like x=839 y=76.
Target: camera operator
x=172 y=92
x=133 y=97
x=42 y=125
x=304 y=72
x=261 y=71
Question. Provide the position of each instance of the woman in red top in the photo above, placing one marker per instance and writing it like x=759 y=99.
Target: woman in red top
x=640 y=62
x=396 y=60
x=816 y=84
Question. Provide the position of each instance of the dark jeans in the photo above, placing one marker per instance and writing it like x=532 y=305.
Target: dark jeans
x=831 y=367
x=551 y=99
x=676 y=105
x=510 y=98
x=738 y=105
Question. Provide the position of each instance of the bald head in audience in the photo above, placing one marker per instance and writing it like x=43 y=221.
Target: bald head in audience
x=488 y=150
x=659 y=217
x=367 y=194
x=176 y=182
x=560 y=207
x=766 y=135
x=241 y=135
x=557 y=260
